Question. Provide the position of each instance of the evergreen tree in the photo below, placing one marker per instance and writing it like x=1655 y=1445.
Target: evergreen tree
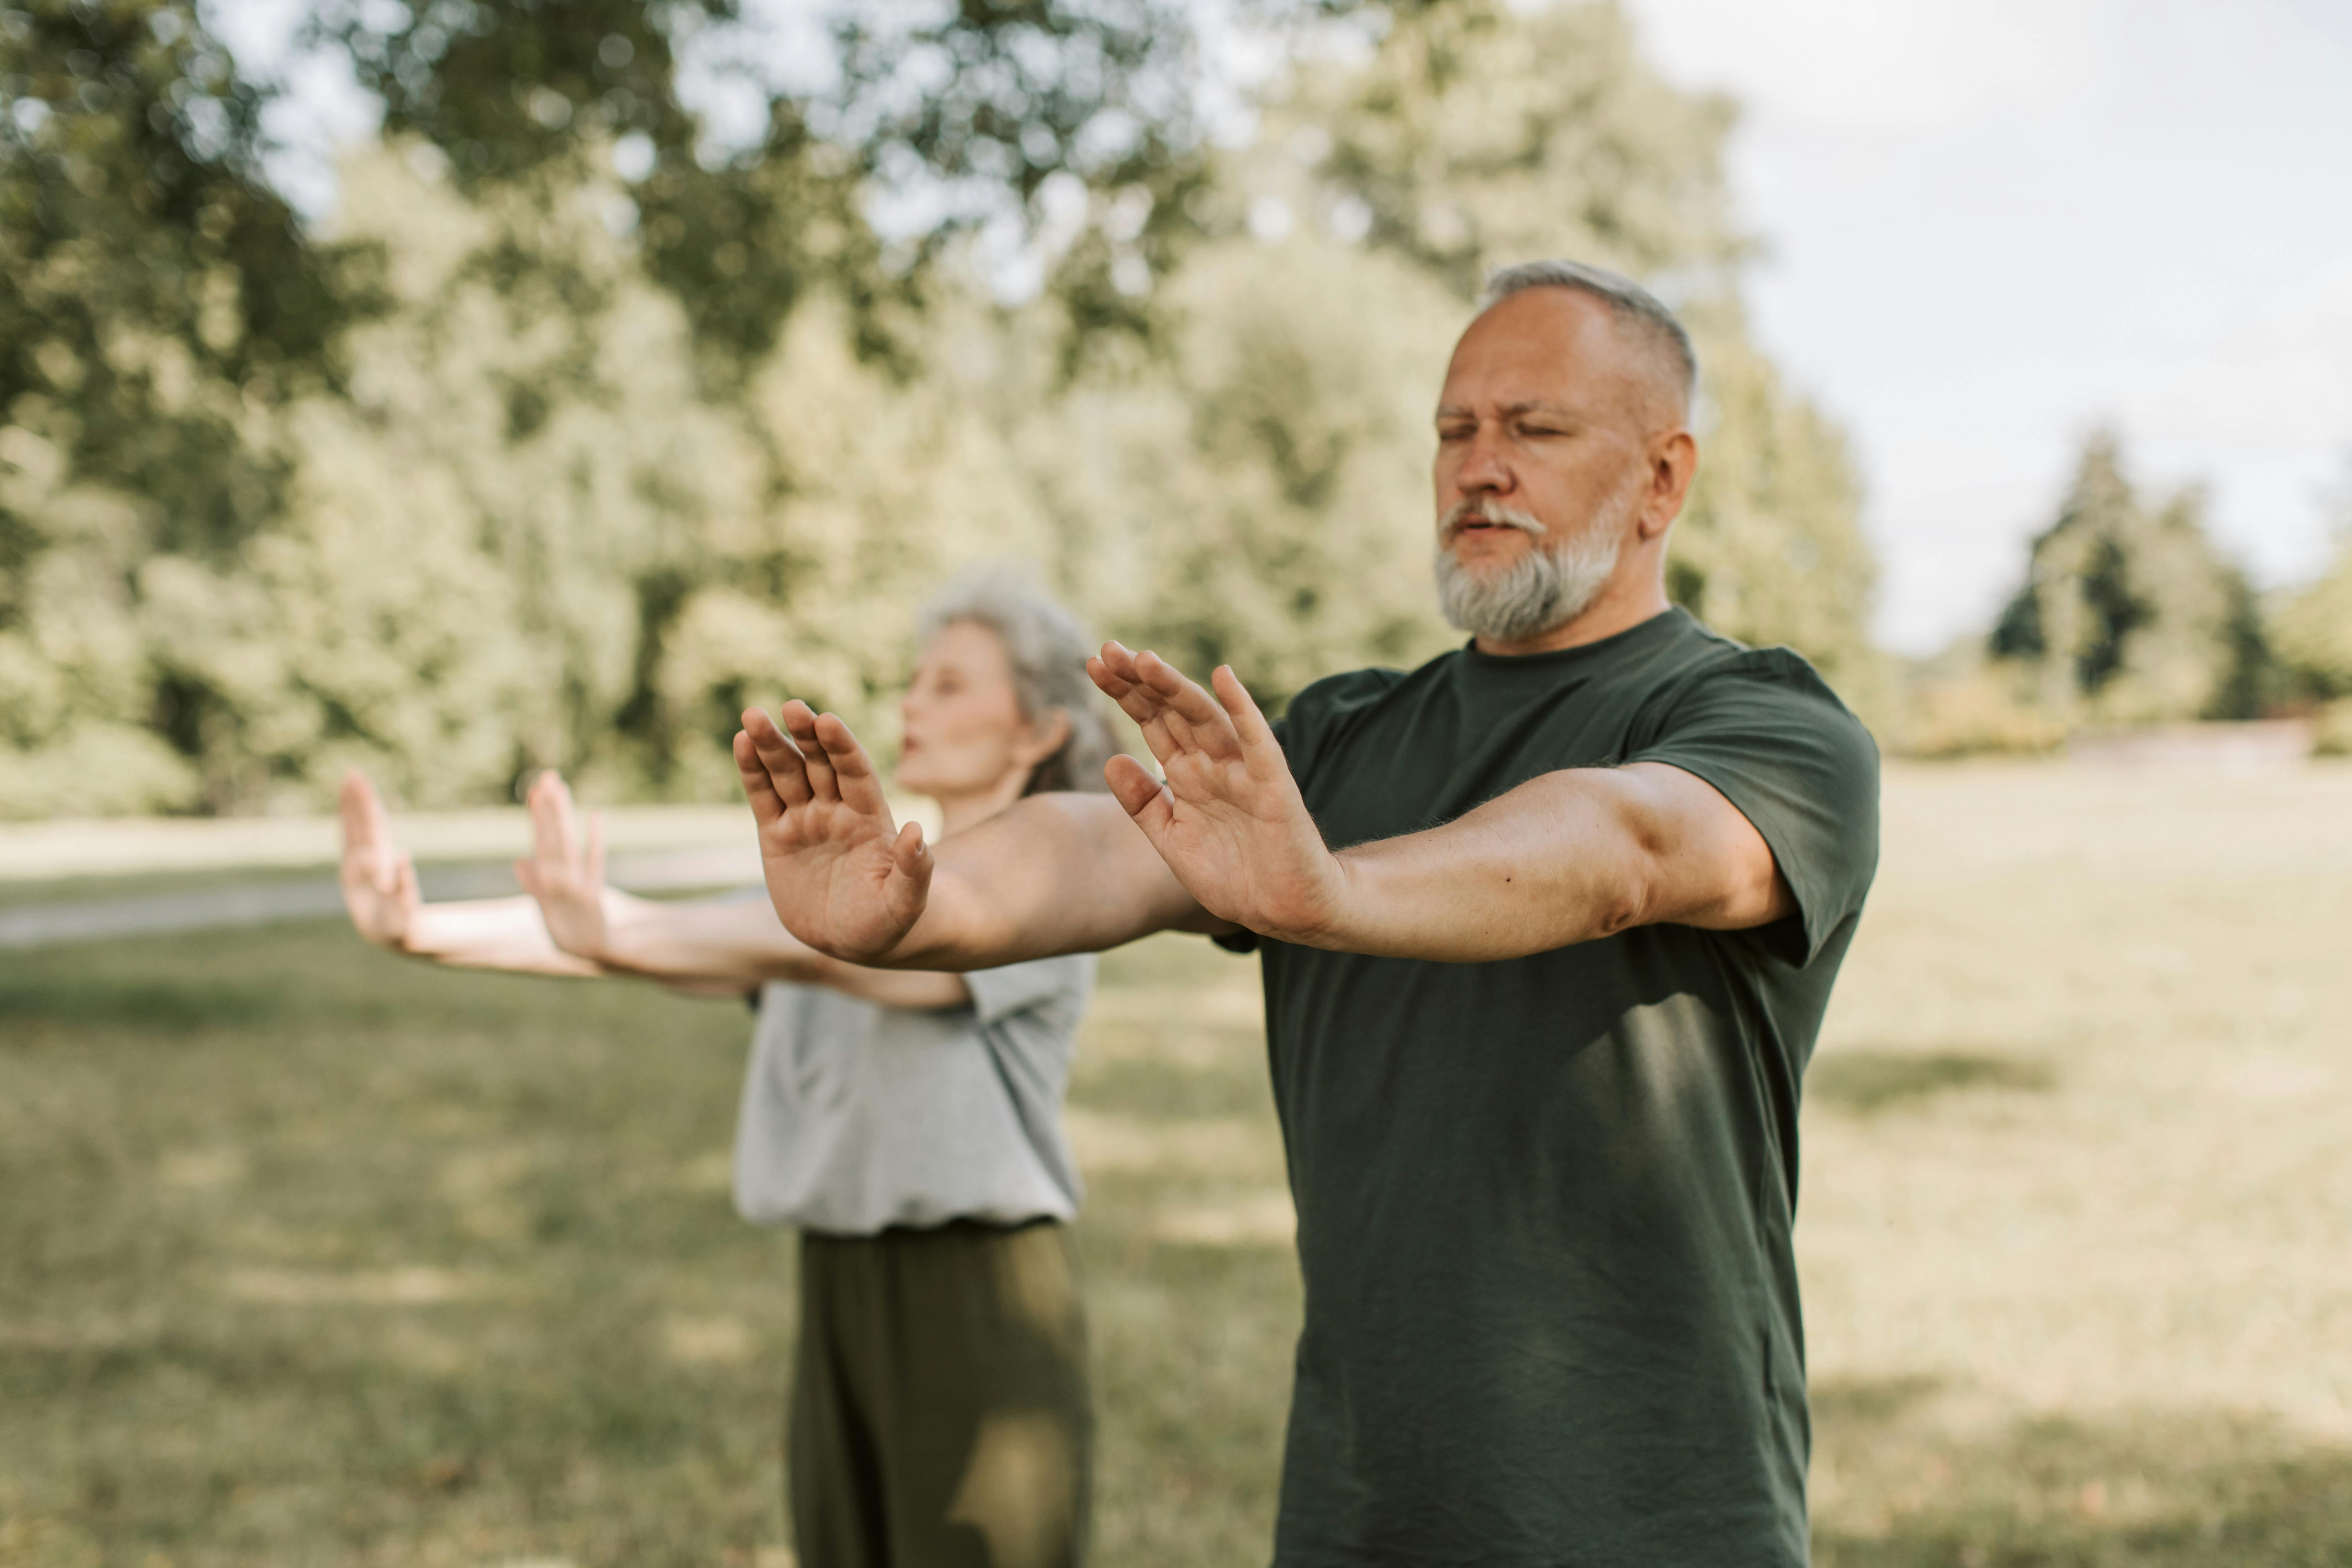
x=2128 y=614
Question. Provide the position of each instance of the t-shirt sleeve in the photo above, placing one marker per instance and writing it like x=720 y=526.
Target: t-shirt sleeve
x=1767 y=732
x=1061 y=984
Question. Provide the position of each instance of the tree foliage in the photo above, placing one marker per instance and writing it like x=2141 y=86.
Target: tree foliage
x=1478 y=135
x=575 y=432
x=2314 y=626
x=2129 y=615
x=152 y=288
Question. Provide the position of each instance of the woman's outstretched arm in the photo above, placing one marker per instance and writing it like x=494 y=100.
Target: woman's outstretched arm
x=731 y=943
x=379 y=882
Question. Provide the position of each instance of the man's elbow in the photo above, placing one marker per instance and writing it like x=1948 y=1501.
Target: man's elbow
x=1613 y=916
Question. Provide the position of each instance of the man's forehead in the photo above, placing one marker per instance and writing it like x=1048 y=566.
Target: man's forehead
x=1545 y=346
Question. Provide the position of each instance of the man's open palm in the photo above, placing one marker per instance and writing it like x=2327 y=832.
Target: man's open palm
x=844 y=878
x=1229 y=819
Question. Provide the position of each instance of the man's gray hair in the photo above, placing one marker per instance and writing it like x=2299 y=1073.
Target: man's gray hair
x=1635 y=306
x=1047 y=647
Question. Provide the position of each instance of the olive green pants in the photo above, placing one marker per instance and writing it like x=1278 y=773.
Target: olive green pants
x=939 y=1415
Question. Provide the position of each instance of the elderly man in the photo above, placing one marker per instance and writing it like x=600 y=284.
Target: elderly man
x=1548 y=929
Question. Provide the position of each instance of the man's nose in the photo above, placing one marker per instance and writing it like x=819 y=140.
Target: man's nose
x=1483 y=469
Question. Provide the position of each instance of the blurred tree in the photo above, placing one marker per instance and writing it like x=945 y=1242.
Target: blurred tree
x=616 y=451
x=1260 y=496
x=1476 y=135
x=2311 y=632
x=2313 y=627
x=516 y=544
x=152 y=288
x=2129 y=614
x=1064 y=129
x=1480 y=134
x=156 y=299
x=538 y=97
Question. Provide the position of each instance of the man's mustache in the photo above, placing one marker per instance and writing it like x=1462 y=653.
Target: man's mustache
x=1485 y=508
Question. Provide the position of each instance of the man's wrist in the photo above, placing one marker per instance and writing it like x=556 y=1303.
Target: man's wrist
x=1326 y=918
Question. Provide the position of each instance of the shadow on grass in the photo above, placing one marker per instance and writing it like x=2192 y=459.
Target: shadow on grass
x=1870 y=1080
x=1901 y=1488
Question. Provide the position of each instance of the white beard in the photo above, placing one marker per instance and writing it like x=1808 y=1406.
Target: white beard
x=1547 y=587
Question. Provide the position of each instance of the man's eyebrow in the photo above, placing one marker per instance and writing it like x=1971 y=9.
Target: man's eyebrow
x=1532 y=406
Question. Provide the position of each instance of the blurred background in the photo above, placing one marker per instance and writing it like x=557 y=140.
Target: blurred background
x=456 y=388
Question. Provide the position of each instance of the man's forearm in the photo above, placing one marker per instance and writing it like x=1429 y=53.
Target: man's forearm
x=1054 y=874
x=1565 y=857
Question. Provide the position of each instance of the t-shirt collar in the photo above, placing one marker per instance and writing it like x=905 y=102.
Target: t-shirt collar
x=1665 y=623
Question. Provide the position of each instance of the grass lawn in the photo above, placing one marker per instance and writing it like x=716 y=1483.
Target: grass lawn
x=307 y=1255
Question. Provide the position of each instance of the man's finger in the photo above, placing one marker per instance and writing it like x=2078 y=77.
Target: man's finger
x=1111 y=686
x=1118 y=659
x=596 y=850
x=1178 y=689
x=912 y=888
x=767 y=805
x=527 y=873
x=910 y=854
x=1126 y=688
x=773 y=749
x=1140 y=794
x=799 y=720
x=1260 y=750
x=1206 y=725
x=853 y=771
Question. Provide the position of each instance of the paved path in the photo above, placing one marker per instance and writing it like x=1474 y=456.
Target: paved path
x=233 y=903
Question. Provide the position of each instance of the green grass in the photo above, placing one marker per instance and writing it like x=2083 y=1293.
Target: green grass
x=144 y=884
x=310 y=1256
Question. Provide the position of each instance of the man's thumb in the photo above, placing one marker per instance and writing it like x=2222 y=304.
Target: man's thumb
x=1133 y=783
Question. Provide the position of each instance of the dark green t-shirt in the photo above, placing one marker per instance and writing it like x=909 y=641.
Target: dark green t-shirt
x=1544 y=1205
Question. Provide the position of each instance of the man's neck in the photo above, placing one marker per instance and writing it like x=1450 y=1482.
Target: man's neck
x=1620 y=608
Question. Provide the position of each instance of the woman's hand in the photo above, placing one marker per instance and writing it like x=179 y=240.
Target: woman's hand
x=565 y=872
x=378 y=879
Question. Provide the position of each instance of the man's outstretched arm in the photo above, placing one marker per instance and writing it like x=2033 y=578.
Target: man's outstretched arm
x=1565 y=857
x=1052 y=874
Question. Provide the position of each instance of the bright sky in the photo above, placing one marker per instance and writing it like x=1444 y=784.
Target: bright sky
x=1991 y=225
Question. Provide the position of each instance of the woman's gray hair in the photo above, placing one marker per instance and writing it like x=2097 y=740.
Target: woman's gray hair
x=1047 y=647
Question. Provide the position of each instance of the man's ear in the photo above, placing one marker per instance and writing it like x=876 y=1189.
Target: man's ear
x=1673 y=463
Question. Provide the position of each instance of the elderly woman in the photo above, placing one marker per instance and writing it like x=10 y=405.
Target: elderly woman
x=907 y=1124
